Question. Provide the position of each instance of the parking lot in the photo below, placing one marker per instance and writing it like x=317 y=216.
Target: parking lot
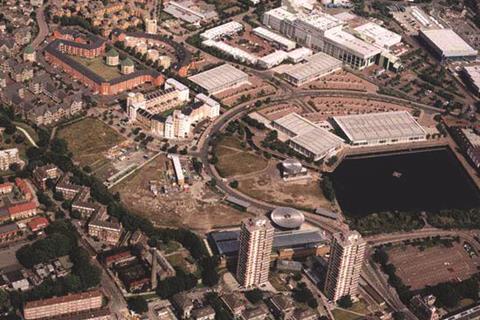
x=434 y=265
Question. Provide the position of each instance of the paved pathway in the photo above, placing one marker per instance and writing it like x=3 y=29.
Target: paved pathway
x=29 y=138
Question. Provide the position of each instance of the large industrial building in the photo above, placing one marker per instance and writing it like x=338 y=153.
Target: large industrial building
x=380 y=128
x=307 y=138
x=344 y=265
x=447 y=45
x=323 y=32
x=255 y=247
x=315 y=67
x=219 y=79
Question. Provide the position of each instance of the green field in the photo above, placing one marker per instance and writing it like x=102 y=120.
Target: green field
x=345 y=315
x=88 y=139
x=98 y=66
x=358 y=308
x=234 y=159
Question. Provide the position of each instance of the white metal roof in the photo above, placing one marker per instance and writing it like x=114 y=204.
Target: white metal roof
x=281 y=13
x=450 y=43
x=317 y=64
x=384 y=125
x=272 y=36
x=380 y=36
x=295 y=123
x=320 y=20
x=233 y=51
x=351 y=43
x=318 y=141
x=300 y=53
x=274 y=58
x=217 y=77
x=224 y=29
x=474 y=74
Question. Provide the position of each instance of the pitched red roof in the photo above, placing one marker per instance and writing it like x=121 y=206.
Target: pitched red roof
x=22 y=185
x=38 y=223
x=21 y=207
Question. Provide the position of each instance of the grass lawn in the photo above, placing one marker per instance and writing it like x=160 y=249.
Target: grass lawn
x=358 y=307
x=177 y=260
x=170 y=247
x=233 y=159
x=98 y=66
x=345 y=315
x=88 y=139
x=277 y=283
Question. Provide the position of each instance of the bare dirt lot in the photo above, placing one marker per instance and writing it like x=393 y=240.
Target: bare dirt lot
x=198 y=208
x=270 y=187
x=434 y=265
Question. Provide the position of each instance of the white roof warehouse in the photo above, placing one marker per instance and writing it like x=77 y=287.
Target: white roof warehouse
x=380 y=128
x=221 y=78
x=306 y=137
x=448 y=45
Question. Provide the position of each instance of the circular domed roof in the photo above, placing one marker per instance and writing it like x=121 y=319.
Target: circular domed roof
x=286 y=217
x=292 y=165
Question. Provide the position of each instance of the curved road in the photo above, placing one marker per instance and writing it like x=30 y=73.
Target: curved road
x=242 y=109
x=42 y=27
x=370 y=274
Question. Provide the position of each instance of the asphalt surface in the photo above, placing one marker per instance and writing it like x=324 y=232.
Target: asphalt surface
x=42 y=27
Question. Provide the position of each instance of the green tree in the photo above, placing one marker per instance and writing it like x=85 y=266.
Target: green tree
x=59 y=146
x=73 y=283
x=327 y=188
x=345 y=302
x=138 y=304
x=254 y=296
x=398 y=315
